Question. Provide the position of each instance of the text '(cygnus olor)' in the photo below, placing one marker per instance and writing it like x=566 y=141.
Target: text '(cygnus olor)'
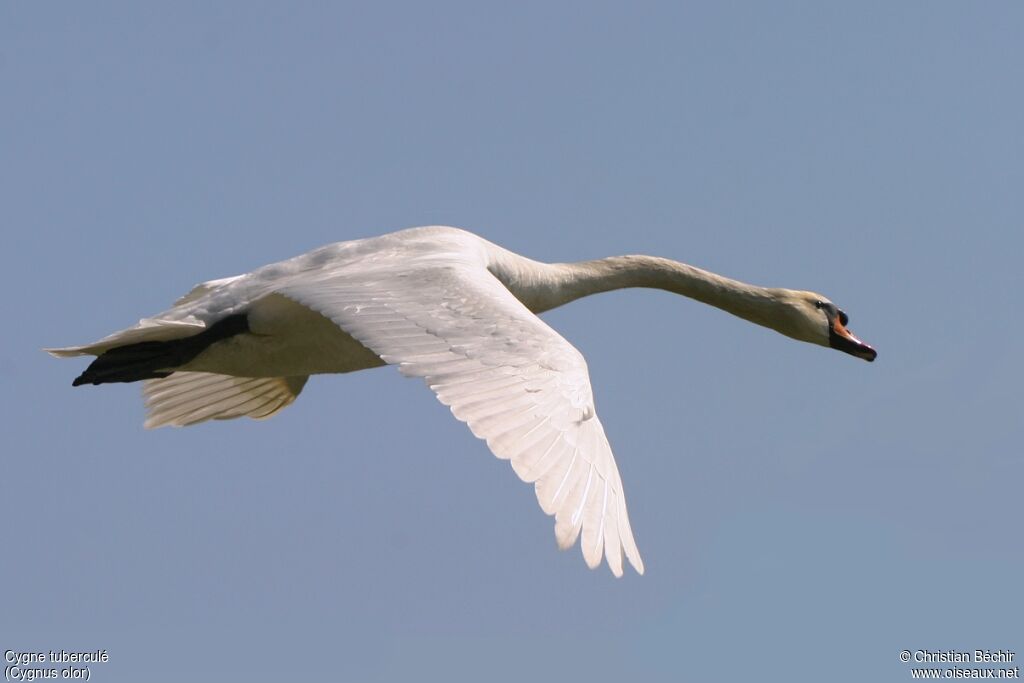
x=450 y=307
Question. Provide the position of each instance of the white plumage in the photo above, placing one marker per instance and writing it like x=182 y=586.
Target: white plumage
x=447 y=306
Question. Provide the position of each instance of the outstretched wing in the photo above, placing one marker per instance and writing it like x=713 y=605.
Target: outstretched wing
x=516 y=382
x=188 y=398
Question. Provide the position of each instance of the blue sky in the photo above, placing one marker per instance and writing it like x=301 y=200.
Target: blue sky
x=803 y=515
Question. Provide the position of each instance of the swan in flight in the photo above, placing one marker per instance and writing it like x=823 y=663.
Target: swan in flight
x=454 y=309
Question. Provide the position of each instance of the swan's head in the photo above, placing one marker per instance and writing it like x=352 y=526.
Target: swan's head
x=812 y=318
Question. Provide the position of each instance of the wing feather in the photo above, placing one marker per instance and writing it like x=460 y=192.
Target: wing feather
x=513 y=380
x=186 y=398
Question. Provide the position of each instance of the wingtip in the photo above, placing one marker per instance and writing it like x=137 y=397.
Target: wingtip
x=593 y=562
x=65 y=352
x=618 y=567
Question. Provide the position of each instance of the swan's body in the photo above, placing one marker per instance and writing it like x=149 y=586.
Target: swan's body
x=450 y=307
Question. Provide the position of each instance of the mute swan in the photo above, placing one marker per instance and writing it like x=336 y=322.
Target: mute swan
x=450 y=307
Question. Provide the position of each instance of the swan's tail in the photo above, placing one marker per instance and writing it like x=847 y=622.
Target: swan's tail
x=150 y=359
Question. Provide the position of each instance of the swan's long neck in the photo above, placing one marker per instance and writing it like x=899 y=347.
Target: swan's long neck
x=544 y=286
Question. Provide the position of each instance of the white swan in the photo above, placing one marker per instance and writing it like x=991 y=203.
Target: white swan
x=450 y=307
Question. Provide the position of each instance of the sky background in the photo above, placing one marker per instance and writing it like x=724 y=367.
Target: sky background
x=803 y=515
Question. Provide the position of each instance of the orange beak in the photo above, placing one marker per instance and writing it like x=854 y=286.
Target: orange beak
x=843 y=340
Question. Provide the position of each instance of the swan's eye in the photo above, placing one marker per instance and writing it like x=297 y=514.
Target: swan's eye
x=844 y=319
x=819 y=304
